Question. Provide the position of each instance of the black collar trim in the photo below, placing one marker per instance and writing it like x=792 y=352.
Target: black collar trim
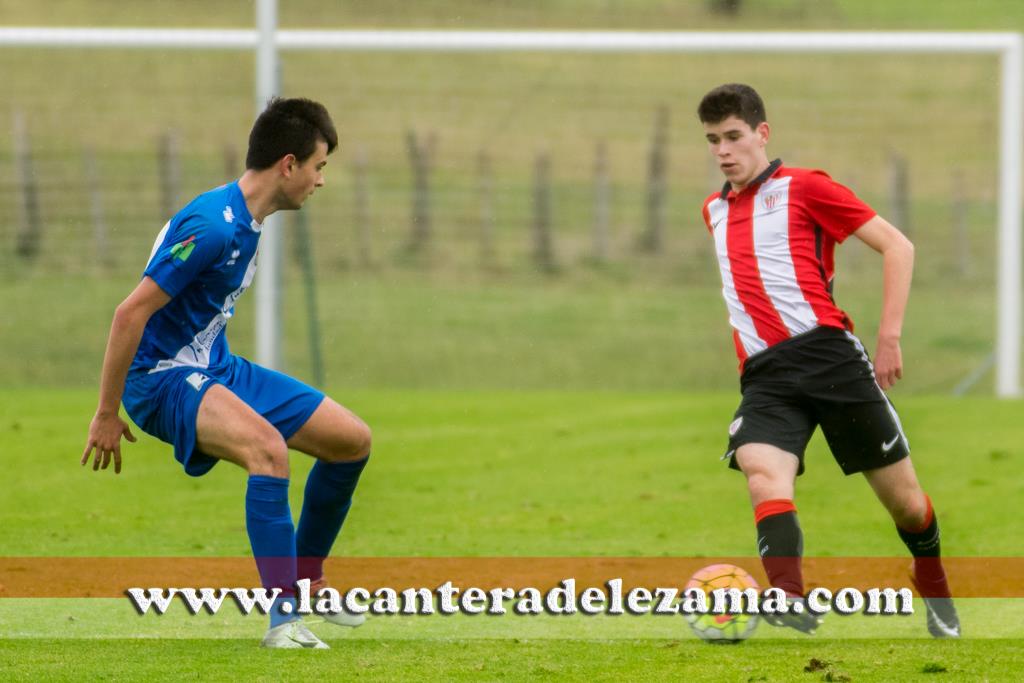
x=768 y=173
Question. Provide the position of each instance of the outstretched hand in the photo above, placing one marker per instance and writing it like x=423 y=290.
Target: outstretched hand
x=888 y=363
x=105 y=432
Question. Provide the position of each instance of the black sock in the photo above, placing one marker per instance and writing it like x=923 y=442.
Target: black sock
x=781 y=545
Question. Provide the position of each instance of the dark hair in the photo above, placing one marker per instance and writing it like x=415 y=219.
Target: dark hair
x=732 y=99
x=289 y=126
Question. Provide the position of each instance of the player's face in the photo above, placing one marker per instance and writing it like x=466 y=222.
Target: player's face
x=305 y=176
x=738 y=149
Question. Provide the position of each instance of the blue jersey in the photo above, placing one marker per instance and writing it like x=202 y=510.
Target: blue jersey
x=204 y=258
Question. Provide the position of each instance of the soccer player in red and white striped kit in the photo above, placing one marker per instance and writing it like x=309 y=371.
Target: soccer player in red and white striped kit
x=775 y=229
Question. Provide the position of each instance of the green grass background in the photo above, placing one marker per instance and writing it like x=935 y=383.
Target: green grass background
x=507 y=473
x=446 y=320
x=515 y=413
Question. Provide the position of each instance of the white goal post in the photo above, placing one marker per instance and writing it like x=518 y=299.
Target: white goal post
x=267 y=40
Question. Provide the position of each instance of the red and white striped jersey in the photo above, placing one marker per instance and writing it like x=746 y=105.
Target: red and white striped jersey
x=775 y=242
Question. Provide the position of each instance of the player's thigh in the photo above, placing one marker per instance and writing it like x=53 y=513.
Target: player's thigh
x=863 y=435
x=770 y=471
x=229 y=429
x=771 y=421
x=332 y=433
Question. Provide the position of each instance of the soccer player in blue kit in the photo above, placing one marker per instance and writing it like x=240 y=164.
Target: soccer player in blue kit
x=167 y=360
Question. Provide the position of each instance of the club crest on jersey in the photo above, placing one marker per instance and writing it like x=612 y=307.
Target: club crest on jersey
x=182 y=250
x=229 y=215
x=772 y=199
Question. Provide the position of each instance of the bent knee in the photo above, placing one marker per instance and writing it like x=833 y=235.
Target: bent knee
x=910 y=512
x=768 y=486
x=364 y=441
x=266 y=454
x=353 y=444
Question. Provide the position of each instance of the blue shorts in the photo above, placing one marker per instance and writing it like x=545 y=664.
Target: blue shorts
x=165 y=404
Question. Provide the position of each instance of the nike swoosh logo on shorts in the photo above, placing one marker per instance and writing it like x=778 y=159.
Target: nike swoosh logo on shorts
x=887 y=445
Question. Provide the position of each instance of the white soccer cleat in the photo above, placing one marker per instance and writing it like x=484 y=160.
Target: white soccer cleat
x=292 y=636
x=343 y=618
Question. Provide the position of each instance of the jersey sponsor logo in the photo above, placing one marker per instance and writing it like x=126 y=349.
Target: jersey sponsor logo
x=229 y=215
x=235 y=253
x=182 y=250
x=735 y=426
x=197 y=380
x=887 y=445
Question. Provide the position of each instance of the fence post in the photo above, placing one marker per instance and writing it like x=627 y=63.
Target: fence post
x=485 y=193
x=657 y=184
x=961 y=225
x=420 y=154
x=853 y=250
x=304 y=254
x=361 y=206
x=28 y=238
x=169 y=158
x=899 y=192
x=543 y=252
x=602 y=212
x=729 y=8
x=93 y=186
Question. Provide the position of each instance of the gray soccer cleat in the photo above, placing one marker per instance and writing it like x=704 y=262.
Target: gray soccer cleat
x=799 y=618
x=942 y=619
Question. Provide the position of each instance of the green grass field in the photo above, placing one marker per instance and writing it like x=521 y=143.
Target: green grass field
x=599 y=329
x=578 y=414
x=518 y=660
x=848 y=114
x=493 y=473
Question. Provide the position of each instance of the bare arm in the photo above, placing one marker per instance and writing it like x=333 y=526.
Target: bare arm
x=897 y=270
x=130 y=320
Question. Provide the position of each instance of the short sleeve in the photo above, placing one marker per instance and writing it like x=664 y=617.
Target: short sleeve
x=833 y=206
x=187 y=250
x=707 y=214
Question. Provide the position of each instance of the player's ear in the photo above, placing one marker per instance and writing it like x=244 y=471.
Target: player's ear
x=763 y=131
x=286 y=165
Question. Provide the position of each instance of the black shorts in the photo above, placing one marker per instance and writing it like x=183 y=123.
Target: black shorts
x=822 y=377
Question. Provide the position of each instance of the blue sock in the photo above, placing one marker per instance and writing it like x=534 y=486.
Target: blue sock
x=280 y=616
x=325 y=504
x=268 y=519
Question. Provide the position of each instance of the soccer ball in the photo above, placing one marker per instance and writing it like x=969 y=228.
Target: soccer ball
x=722 y=628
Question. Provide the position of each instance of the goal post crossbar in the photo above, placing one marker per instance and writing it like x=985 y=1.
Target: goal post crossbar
x=491 y=41
x=1008 y=46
